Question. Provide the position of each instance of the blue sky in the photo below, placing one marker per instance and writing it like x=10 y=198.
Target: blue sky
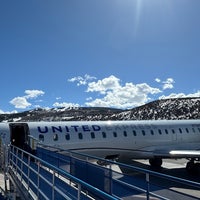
x=115 y=53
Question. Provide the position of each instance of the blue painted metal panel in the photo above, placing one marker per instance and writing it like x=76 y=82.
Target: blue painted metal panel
x=34 y=172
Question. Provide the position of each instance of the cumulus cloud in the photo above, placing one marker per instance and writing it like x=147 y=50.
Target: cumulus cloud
x=82 y=80
x=107 y=92
x=157 y=80
x=22 y=102
x=118 y=95
x=104 y=85
x=168 y=84
x=65 y=104
x=7 y=112
x=180 y=95
x=32 y=94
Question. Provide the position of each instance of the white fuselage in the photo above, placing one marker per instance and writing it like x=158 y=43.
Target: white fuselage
x=127 y=139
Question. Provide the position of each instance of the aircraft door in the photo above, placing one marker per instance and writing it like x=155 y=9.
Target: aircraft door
x=19 y=135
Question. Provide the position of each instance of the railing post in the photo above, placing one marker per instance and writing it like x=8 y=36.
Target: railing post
x=53 y=185
x=79 y=192
x=21 y=167
x=16 y=157
x=147 y=181
x=111 y=180
x=29 y=172
x=38 y=180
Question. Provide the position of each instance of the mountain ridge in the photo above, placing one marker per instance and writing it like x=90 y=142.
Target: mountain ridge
x=169 y=109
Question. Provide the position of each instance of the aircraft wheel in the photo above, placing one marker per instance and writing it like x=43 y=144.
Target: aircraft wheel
x=190 y=167
x=155 y=162
x=197 y=166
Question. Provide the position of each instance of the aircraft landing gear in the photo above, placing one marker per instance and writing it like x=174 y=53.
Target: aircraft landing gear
x=155 y=163
x=192 y=167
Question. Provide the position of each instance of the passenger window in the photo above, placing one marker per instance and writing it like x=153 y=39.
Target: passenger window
x=41 y=138
x=159 y=131
x=199 y=130
x=67 y=136
x=166 y=131
x=114 y=134
x=134 y=133
x=193 y=130
x=173 y=131
x=55 y=137
x=187 y=130
x=143 y=132
x=152 y=133
x=104 y=134
x=125 y=134
x=80 y=136
x=92 y=135
x=180 y=130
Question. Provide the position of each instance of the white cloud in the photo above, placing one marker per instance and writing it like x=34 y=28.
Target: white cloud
x=7 y=112
x=180 y=95
x=157 y=80
x=82 y=80
x=22 y=103
x=106 y=92
x=65 y=104
x=168 y=84
x=32 y=94
x=120 y=96
x=104 y=85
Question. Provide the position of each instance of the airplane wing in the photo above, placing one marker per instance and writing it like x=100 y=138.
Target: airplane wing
x=185 y=153
x=177 y=153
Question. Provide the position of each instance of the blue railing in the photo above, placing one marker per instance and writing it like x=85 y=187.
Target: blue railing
x=114 y=182
x=42 y=180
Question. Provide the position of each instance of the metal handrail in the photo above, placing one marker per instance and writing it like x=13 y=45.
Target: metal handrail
x=134 y=168
x=16 y=163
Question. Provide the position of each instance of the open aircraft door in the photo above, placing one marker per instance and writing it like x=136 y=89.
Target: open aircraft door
x=19 y=135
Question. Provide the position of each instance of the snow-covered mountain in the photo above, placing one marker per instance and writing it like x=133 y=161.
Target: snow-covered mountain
x=182 y=108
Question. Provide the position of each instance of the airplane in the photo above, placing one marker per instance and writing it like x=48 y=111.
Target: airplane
x=122 y=140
